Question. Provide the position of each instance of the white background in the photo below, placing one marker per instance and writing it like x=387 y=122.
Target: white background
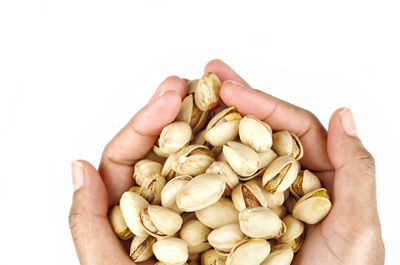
x=72 y=73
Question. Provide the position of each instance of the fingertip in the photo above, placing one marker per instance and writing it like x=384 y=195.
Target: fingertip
x=213 y=64
x=223 y=71
x=172 y=82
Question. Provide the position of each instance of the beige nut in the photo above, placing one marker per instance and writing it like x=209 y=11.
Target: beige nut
x=191 y=86
x=141 y=248
x=305 y=182
x=223 y=239
x=248 y=195
x=194 y=233
x=223 y=169
x=280 y=211
x=242 y=159
x=174 y=137
x=249 y=252
x=193 y=160
x=280 y=174
x=131 y=205
x=287 y=144
x=192 y=115
x=159 y=221
x=144 y=169
x=280 y=254
x=118 y=223
x=294 y=235
x=221 y=213
x=313 y=206
x=171 y=250
x=211 y=257
x=223 y=127
x=171 y=189
x=255 y=133
x=151 y=189
x=206 y=93
x=167 y=172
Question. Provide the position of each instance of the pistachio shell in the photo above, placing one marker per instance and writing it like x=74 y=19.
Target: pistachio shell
x=305 y=182
x=224 y=238
x=219 y=214
x=171 y=250
x=191 y=86
x=223 y=127
x=313 y=206
x=280 y=174
x=264 y=159
x=199 y=247
x=131 y=205
x=174 y=136
x=171 y=189
x=280 y=255
x=194 y=232
x=249 y=252
x=199 y=138
x=135 y=189
x=151 y=155
x=279 y=211
x=118 y=223
x=260 y=222
x=287 y=144
x=206 y=94
x=273 y=199
x=211 y=257
x=190 y=114
x=160 y=221
x=201 y=192
x=223 y=169
x=294 y=232
x=255 y=133
x=141 y=248
x=151 y=189
x=145 y=168
x=242 y=159
x=167 y=171
x=248 y=195
x=193 y=160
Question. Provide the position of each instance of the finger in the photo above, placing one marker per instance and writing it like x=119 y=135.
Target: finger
x=223 y=71
x=171 y=82
x=94 y=240
x=282 y=116
x=134 y=141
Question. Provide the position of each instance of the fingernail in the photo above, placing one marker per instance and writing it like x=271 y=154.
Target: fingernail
x=233 y=83
x=78 y=174
x=348 y=123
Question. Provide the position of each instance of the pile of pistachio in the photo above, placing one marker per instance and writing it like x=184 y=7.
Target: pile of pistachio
x=219 y=188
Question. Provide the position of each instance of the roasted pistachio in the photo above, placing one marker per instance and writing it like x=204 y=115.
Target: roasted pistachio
x=173 y=137
x=223 y=127
x=191 y=86
x=167 y=171
x=224 y=238
x=168 y=193
x=206 y=93
x=193 y=160
x=287 y=144
x=160 y=221
x=223 y=169
x=201 y=192
x=305 y=182
x=255 y=133
x=248 y=195
x=313 y=206
x=294 y=233
x=131 y=205
x=195 y=234
x=249 y=252
x=135 y=189
x=280 y=174
x=221 y=213
x=211 y=257
x=279 y=211
x=118 y=223
x=142 y=248
x=151 y=189
x=242 y=159
x=190 y=114
x=144 y=169
x=281 y=254
x=171 y=250
x=260 y=222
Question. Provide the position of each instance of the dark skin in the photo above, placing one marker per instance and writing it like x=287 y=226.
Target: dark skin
x=350 y=234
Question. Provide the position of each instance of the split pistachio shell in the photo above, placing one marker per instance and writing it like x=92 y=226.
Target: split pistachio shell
x=255 y=133
x=242 y=159
x=151 y=189
x=168 y=193
x=287 y=144
x=118 y=223
x=217 y=215
x=201 y=192
x=224 y=238
x=199 y=138
x=141 y=248
x=160 y=221
x=224 y=127
x=249 y=252
x=273 y=199
x=280 y=174
x=305 y=182
x=171 y=251
x=264 y=159
x=144 y=169
x=193 y=160
x=279 y=211
x=260 y=222
x=174 y=136
x=294 y=233
x=191 y=86
x=211 y=257
x=167 y=171
x=131 y=205
x=194 y=232
x=223 y=169
x=313 y=206
x=248 y=195
x=281 y=254
x=206 y=94
x=190 y=114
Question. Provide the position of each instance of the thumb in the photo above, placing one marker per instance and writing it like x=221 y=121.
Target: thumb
x=93 y=236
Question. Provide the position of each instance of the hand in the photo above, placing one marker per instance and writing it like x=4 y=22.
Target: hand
x=351 y=233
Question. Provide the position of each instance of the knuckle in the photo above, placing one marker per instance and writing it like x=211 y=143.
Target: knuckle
x=76 y=221
x=366 y=162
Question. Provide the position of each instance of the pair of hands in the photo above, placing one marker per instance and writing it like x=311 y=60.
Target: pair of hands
x=350 y=234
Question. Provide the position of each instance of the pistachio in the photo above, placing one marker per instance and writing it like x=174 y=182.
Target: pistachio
x=135 y=189
x=211 y=257
x=151 y=189
x=141 y=248
x=279 y=211
x=199 y=138
x=206 y=94
x=173 y=137
x=191 y=86
x=294 y=233
x=118 y=223
x=194 y=256
x=199 y=247
x=242 y=159
x=264 y=159
x=131 y=205
x=280 y=174
x=223 y=169
x=249 y=252
x=168 y=193
x=255 y=133
x=260 y=222
x=313 y=206
x=223 y=127
x=195 y=234
x=273 y=199
x=248 y=195
x=287 y=144
x=281 y=254
x=144 y=169
x=160 y=221
x=151 y=155
x=167 y=171
x=171 y=251
x=224 y=238
x=305 y=182
x=221 y=213
x=200 y=192
x=190 y=114
x=193 y=160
